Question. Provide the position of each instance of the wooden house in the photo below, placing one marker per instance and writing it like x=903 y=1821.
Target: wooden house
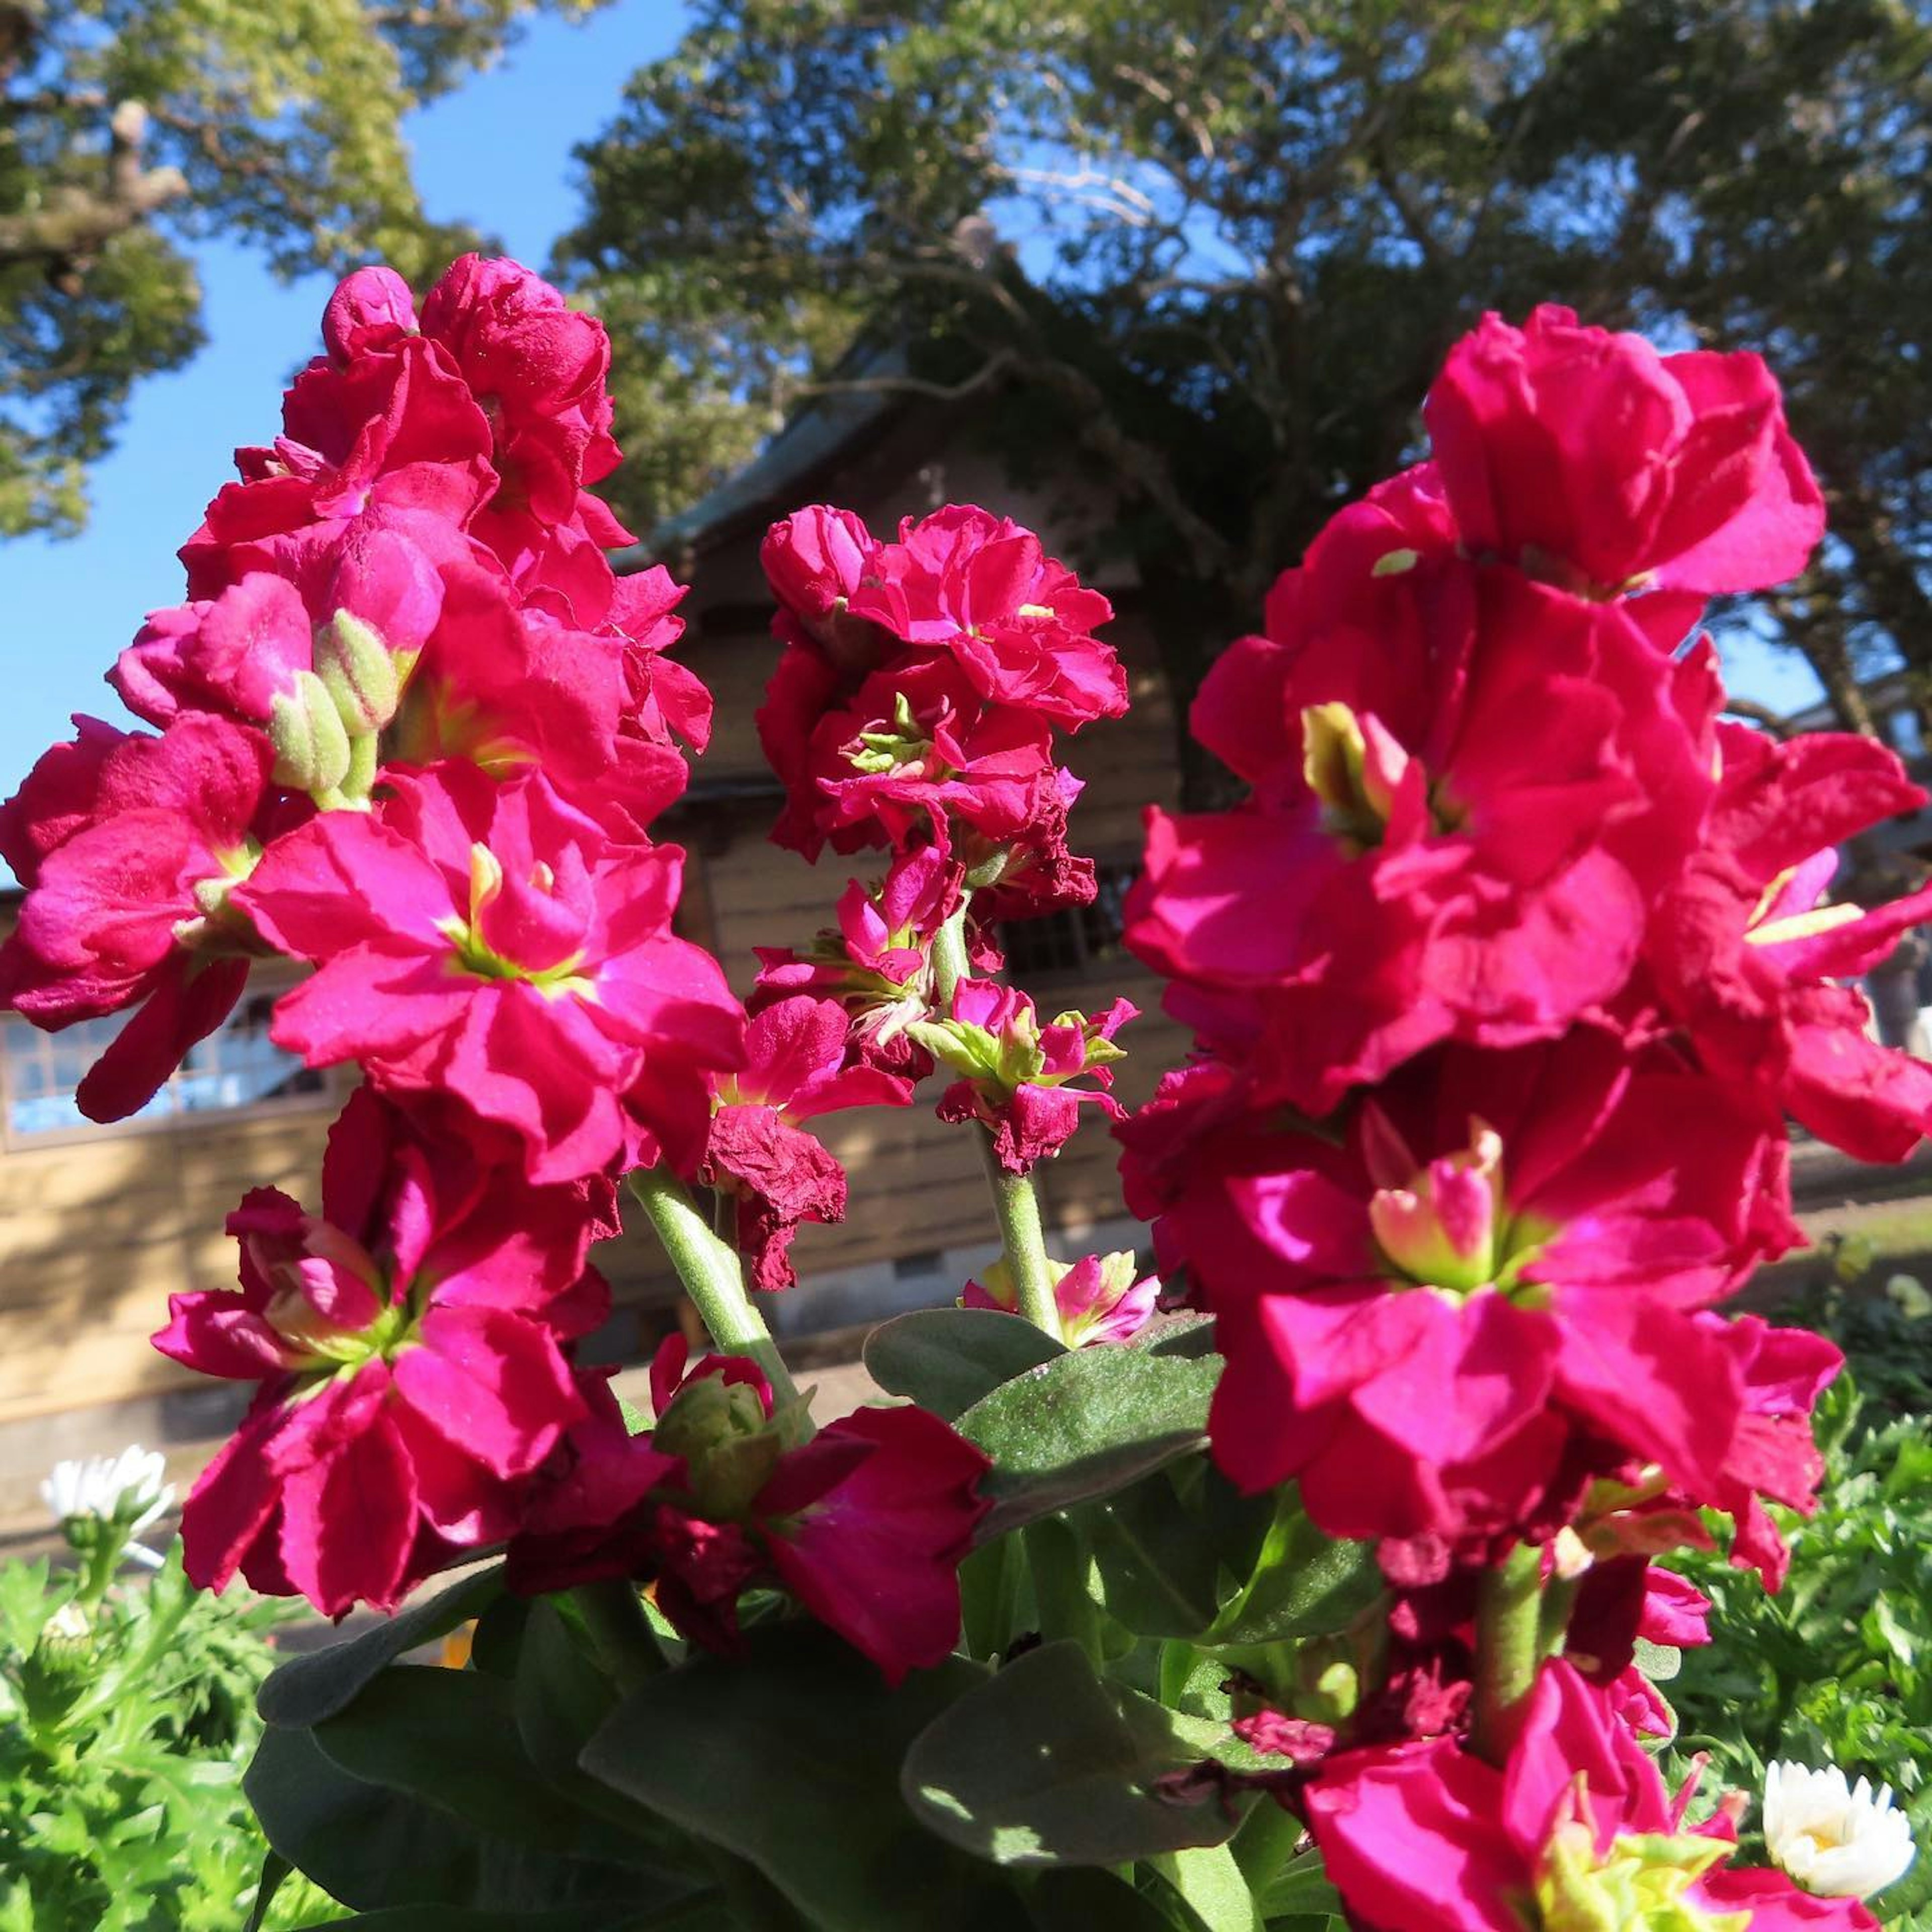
x=98 y=1225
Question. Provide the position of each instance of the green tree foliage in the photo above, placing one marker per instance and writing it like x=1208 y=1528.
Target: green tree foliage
x=130 y=128
x=1216 y=248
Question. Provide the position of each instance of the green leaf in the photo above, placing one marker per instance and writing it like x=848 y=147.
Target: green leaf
x=947 y=1359
x=1075 y=1898
x=1049 y=1764
x=1085 y=1425
x=373 y=1847
x=704 y=1913
x=1210 y=1882
x=449 y=1738
x=1304 y=1584
x=363 y=1845
x=789 y=1757
x=306 y=1691
x=1159 y=1568
x=1301 y=1888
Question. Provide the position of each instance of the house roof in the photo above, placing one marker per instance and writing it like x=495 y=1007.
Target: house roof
x=813 y=440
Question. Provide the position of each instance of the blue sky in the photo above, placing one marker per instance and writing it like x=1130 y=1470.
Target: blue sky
x=496 y=153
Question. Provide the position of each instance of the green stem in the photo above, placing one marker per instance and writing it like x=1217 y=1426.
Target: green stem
x=1552 y=1616
x=711 y=1276
x=1017 y=1207
x=1015 y=1202
x=1509 y=1616
x=615 y=1619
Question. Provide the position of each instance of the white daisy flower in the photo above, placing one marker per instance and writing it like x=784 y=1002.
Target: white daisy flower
x=127 y=1488
x=1836 y=1840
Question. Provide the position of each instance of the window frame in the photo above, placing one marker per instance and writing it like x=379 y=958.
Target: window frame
x=273 y=978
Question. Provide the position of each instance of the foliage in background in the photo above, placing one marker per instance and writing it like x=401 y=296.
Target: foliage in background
x=1218 y=247
x=1837 y=1668
x=124 y=1734
x=129 y=129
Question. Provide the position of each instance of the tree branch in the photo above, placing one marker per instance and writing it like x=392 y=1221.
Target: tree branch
x=73 y=223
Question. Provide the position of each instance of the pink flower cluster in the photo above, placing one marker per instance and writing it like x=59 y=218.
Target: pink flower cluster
x=1504 y=981
x=914 y=706
x=411 y=731
x=920 y=686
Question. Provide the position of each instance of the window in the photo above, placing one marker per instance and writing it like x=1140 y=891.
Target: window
x=237 y=1067
x=1075 y=939
x=1906 y=734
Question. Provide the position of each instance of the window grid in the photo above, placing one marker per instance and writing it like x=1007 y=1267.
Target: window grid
x=238 y=1069
x=1076 y=939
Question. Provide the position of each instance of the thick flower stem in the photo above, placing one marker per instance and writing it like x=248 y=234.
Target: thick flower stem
x=711 y=1276
x=1015 y=1202
x=1509 y=1648
x=622 y=1638
x=1017 y=1207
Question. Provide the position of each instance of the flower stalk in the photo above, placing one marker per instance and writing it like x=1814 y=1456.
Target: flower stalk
x=711 y=1275
x=1509 y=1649
x=1016 y=1203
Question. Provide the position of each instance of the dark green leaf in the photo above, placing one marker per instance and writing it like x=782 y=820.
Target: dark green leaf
x=498 y=1636
x=946 y=1359
x=703 y=1913
x=789 y=1757
x=1049 y=1764
x=307 y=1690
x=274 y=1869
x=1158 y=1566
x=1301 y=1888
x=1085 y=1425
x=374 y=1848
x=448 y=1737
x=1074 y=1899
x=362 y=1845
x=1304 y=1584
x=1184 y=1334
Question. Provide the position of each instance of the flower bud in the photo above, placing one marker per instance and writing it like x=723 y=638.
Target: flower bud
x=363 y=677
x=729 y=1446
x=312 y=751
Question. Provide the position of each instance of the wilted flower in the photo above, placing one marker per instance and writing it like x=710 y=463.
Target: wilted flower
x=1838 y=1840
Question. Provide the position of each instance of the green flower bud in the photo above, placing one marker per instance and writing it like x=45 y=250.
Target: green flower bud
x=362 y=676
x=312 y=747
x=729 y=1445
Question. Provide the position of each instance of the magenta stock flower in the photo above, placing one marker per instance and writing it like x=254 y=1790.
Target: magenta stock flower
x=1098 y=1296
x=1576 y=1828
x=1587 y=456
x=913 y=744
x=1498 y=1259
x=1468 y=786
x=492 y=944
x=1019 y=621
x=132 y=846
x=795 y=1069
x=1742 y=954
x=876 y=961
x=866 y=1524
x=1016 y=1076
x=406 y=1341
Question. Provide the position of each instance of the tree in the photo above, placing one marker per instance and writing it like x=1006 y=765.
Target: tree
x=129 y=128
x=1218 y=246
